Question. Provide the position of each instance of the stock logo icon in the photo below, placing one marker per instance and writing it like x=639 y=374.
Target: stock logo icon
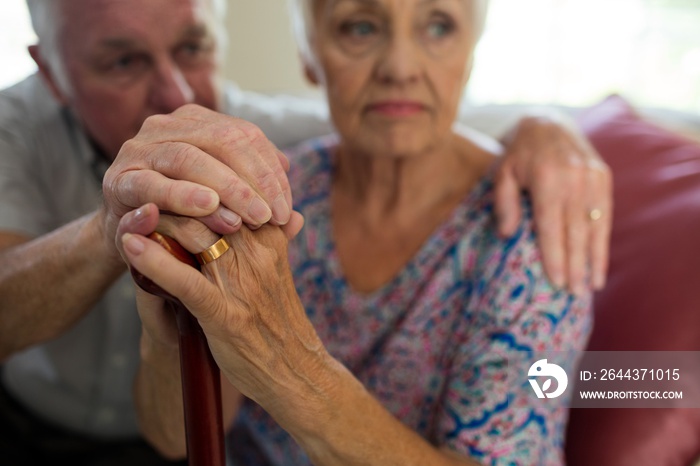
x=542 y=368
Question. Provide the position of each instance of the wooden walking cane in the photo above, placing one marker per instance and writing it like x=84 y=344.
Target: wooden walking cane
x=201 y=389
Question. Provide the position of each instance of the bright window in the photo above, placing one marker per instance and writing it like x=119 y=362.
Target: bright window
x=16 y=34
x=574 y=52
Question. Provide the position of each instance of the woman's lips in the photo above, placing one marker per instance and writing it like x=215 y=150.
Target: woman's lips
x=396 y=108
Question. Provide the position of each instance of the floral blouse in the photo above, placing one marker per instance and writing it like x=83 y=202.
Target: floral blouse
x=447 y=344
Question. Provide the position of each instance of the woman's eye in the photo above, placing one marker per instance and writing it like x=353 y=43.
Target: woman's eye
x=439 y=29
x=358 y=28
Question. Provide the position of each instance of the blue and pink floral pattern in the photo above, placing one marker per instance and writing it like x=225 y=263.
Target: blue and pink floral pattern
x=447 y=344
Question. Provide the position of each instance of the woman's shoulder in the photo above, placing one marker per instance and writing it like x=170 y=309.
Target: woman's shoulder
x=510 y=278
x=487 y=258
x=492 y=252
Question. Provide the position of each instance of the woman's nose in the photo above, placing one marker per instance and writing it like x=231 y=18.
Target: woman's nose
x=400 y=61
x=170 y=89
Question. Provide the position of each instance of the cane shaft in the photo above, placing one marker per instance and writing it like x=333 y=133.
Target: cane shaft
x=201 y=388
x=201 y=393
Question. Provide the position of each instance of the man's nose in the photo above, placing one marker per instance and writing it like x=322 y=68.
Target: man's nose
x=170 y=89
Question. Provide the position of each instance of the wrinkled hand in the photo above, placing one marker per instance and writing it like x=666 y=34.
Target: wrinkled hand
x=245 y=301
x=567 y=180
x=199 y=163
x=158 y=323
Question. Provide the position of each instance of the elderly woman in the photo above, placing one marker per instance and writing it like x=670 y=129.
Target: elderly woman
x=397 y=327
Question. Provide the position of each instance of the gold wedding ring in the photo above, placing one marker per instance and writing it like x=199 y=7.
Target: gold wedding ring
x=213 y=252
x=595 y=214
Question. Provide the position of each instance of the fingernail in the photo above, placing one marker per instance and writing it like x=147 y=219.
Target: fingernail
x=229 y=217
x=133 y=244
x=259 y=211
x=141 y=214
x=280 y=210
x=598 y=281
x=205 y=199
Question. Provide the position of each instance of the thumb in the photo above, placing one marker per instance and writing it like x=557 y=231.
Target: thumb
x=178 y=279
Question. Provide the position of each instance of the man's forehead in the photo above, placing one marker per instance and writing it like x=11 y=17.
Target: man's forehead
x=131 y=19
x=129 y=11
x=125 y=41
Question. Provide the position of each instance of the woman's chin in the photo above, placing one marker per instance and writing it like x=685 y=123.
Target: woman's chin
x=396 y=143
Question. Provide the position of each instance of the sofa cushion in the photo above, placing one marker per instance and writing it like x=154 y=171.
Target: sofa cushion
x=652 y=298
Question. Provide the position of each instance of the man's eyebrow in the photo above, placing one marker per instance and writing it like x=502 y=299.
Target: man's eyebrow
x=375 y=2
x=196 y=31
x=118 y=43
x=365 y=2
x=121 y=43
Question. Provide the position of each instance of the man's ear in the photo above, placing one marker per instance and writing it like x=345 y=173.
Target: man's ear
x=310 y=74
x=46 y=74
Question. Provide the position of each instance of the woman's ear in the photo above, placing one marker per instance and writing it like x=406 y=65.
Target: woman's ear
x=47 y=75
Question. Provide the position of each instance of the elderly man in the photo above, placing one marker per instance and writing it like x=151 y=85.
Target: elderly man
x=68 y=326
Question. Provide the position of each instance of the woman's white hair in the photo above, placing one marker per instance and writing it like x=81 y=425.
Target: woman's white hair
x=301 y=14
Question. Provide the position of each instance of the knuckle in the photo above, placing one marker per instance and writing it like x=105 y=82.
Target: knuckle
x=547 y=231
x=239 y=191
x=170 y=193
x=267 y=245
x=606 y=177
x=502 y=171
x=278 y=165
x=239 y=131
x=130 y=146
x=268 y=183
x=189 y=226
x=189 y=110
x=548 y=176
x=576 y=178
x=155 y=122
x=181 y=158
x=531 y=121
x=251 y=131
x=578 y=231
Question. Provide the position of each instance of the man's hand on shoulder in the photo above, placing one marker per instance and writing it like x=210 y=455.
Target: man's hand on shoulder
x=571 y=191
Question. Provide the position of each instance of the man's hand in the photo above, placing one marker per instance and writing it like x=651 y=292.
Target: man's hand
x=199 y=163
x=571 y=191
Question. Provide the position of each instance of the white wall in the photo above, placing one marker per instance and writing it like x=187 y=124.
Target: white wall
x=262 y=54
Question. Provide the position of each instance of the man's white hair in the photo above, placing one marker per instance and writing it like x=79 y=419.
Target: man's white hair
x=301 y=14
x=45 y=17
